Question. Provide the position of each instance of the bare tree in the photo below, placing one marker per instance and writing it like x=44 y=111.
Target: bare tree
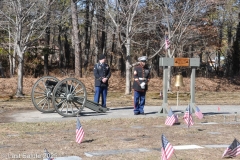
x=178 y=18
x=174 y=17
x=126 y=28
x=26 y=18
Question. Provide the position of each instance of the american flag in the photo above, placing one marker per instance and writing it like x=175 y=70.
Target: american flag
x=188 y=116
x=198 y=113
x=79 y=132
x=171 y=118
x=167 y=42
x=233 y=150
x=167 y=149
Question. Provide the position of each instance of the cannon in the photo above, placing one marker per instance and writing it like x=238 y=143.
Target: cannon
x=67 y=97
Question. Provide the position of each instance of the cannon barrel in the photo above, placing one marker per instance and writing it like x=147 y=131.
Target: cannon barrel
x=50 y=83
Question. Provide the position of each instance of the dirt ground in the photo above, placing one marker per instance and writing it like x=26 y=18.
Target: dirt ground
x=117 y=84
x=28 y=140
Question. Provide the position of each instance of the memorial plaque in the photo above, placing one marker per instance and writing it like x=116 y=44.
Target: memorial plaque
x=181 y=61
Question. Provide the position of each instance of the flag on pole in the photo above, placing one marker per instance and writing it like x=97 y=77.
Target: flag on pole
x=167 y=42
x=188 y=116
x=167 y=149
x=79 y=132
x=171 y=118
x=233 y=150
x=198 y=113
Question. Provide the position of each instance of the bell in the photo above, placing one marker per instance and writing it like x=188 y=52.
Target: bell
x=179 y=80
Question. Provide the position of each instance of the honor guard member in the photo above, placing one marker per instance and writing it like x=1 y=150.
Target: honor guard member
x=140 y=85
x=102 y=74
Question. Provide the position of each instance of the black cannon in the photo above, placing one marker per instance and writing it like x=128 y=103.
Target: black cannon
x=67 y=97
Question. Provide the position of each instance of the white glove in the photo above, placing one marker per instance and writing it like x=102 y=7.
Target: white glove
x=143 y=85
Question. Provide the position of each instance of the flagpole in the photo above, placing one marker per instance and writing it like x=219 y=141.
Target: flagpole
x=175 y=155
x=76 y=132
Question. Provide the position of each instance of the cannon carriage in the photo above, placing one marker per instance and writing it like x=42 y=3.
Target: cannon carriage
x=67 y=97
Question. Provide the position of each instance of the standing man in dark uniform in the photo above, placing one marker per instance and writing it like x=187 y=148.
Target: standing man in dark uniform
x=102 y=74
x=140 y=85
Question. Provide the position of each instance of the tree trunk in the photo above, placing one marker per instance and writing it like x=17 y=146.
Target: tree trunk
x=47 y=42
x=128 y=69
x=10 y=65
x=19 y=92
x=19 y=52
x=1 y=71
x=103 y=40
x=47 y=45
x=67 y=50
x=87 y=36
x=61 y=57
x=128 y=80
x=78 y=65
x=14 y=61
x=9 y=52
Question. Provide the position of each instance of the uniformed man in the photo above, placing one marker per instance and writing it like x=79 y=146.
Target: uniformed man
x=102 y=74
x=140 y=85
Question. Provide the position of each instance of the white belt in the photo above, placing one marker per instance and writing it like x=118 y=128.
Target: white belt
x=142 y=78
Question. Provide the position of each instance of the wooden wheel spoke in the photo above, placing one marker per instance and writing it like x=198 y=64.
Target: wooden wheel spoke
x=41 y=88
x=43 y=106
x=75 y=88
x=43 y=100
x=79 y=90
x=39 y=97
x=63 y=104
x=75 y=105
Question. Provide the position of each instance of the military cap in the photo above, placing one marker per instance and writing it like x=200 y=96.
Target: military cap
x=101 y=56
x=142 y=59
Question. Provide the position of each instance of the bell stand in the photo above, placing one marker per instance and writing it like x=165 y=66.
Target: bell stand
x=165 y=62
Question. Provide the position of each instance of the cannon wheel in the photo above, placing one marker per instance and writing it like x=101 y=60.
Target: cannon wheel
x=69 y=101
x=42 y=95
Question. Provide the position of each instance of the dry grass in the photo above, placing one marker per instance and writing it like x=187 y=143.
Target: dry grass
x=118 y=134
x=117 y=84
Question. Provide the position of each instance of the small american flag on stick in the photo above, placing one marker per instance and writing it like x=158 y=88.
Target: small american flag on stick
x=171 y=118
x=188 y=116
x=167 y=149
x=198 y=113
x=233 y=150
x=79 y=132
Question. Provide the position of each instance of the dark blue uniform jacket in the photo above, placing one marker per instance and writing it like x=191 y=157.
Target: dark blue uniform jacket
x=141 y=74
x=101 y=71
